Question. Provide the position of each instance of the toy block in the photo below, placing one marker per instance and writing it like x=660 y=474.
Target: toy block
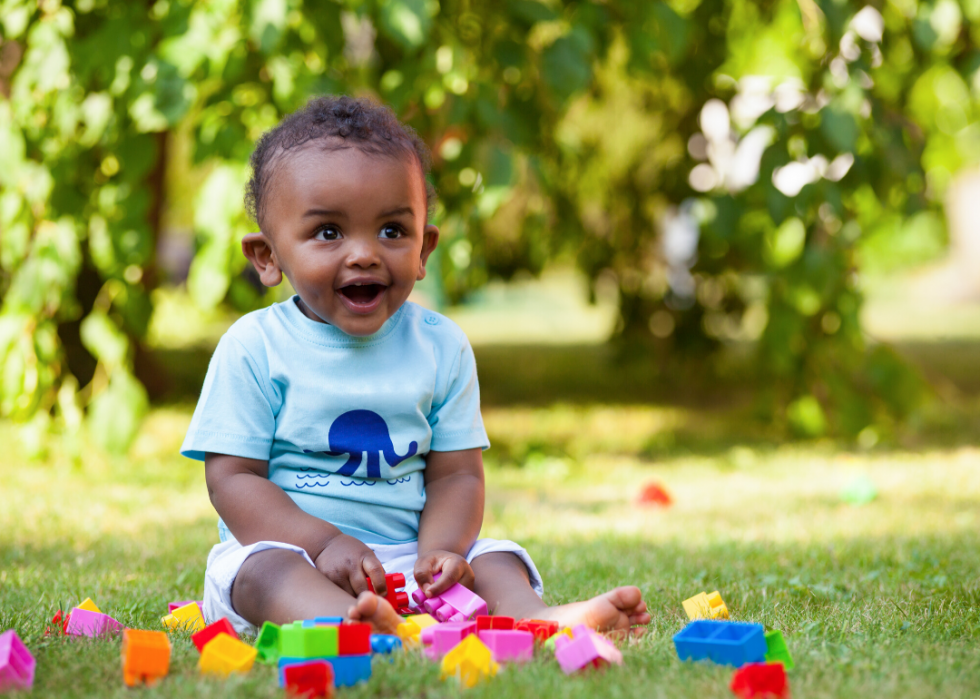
x=353 y=639
x=732 y=643
x=498 y=623
x=177 y=605
x=777 y=650
x=297 y=641
x=455 y=604
x=564 y=633
x=424 y=621
x=89 y=606
x=469 y=662
x=447 y=636
x=60 y=623
x=224 y=655
x=145 y=656
x=760 y=680
x=348 y=670
x=393 y=583
x=186 y=618
x=409 y=632
x=267 y=643
x=585 y=650
x=704 y=606
x=655 y=494
x=508 y=646
x=324 y=621
x=222 y=625
x=85 y=623
x=542 y=630
x=385 y=644
x=313 y=678
x=16 y=663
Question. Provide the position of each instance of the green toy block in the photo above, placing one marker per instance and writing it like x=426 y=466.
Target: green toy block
x=777 y=651
x=307 y=642
x=267 y=644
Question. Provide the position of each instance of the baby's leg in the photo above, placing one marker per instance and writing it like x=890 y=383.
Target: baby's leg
x=502 y=580
x=280 y=586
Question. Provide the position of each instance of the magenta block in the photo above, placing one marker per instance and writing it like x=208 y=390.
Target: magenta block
x=447 y=636
x=16 y=663
x=175 y=605
x=86 y=623
x=589 y=649
x=508 y=646
x=455 y=604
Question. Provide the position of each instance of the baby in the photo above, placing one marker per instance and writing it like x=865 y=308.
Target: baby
x=340 y=430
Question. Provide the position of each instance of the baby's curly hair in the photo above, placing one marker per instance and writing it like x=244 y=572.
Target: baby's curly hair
x=370 y=127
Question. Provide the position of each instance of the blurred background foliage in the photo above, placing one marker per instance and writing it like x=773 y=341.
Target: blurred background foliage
x=724 y=168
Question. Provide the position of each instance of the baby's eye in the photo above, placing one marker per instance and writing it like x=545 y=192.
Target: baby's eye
x=327 y=233
x=391 y=232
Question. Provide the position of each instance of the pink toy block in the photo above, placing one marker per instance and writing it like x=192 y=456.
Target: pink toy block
x=445 y=637
x=508 y=646
x=585 y=650
x=176 y=605
x=86 y=623
x=16 y=663
x=455 y=604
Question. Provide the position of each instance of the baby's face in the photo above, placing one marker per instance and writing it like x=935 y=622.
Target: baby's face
x=348 y=230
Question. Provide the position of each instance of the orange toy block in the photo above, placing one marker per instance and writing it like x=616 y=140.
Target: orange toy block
x=145 y=656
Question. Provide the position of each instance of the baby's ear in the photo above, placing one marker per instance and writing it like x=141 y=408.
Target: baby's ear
x=430 y=238
x=258 y=250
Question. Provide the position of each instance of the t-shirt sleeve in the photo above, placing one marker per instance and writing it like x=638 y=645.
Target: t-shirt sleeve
x=236 y=411
x=456 y=421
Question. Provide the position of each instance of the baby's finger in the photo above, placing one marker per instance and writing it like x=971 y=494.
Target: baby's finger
x=358 y=582
x=454 y=570
x=375 y=573
x=424 y=573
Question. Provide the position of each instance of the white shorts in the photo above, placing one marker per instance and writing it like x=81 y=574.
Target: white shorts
x=226 y=559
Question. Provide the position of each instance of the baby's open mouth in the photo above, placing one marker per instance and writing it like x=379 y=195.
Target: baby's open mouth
x=362 y=294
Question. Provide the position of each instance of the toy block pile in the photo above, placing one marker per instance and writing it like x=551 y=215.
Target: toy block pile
x=760 y=659
x=302 y=648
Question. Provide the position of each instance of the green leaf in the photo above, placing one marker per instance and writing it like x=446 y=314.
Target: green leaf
x=104 y=339
x=806 y=417
x=785 y=244
x=566 y=66
x=115 y=415
x=406 y=22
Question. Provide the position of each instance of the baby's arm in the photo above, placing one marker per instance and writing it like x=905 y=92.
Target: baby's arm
x=256 y=509
x=451 y=518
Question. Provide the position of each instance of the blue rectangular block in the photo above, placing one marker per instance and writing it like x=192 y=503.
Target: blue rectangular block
x=348 y=670
x=323 y=621
x=385 y=643
x=732 y=643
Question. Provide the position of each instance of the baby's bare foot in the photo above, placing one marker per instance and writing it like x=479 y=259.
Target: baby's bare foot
x=374 y=610
x=616 y=610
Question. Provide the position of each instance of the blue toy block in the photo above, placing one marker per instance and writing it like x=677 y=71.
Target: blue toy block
x=348 y=670
x=385 y=643
x=323 y=621
x=724 y=642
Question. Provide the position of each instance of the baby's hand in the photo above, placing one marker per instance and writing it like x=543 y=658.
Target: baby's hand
x=347 y=563
x=453 y=567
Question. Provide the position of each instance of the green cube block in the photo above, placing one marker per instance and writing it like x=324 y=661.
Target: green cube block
x=308 y=642
x=776 y=649
x=267 y=644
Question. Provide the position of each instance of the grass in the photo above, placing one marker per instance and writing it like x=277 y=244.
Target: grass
x=879 y=600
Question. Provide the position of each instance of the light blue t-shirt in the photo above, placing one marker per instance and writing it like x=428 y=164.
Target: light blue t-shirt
x=345 y=422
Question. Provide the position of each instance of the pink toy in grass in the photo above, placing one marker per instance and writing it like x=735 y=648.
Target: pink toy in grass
x=455 y=604
x=444 y=637
x=16 y=663
x=508 y=646
x=587 y=648
x=86 y=623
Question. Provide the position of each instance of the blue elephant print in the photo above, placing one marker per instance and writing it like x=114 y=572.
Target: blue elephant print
x=357 y=432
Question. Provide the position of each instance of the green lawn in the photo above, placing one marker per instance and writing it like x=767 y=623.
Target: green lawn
x=879 y=600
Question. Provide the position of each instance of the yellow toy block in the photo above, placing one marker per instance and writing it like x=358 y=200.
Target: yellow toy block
x=409 y=632
x=469 y=662
x=89 y=606
x=187 y=618
x=704 y=606
x=145 y=656
x=423 y=620
x=224 y=655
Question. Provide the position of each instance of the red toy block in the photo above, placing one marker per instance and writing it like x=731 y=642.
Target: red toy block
x=760 y=680
x=354 y=639
x=222 y=625
x=60 y=623
x=398 y=600
x=312 y=679
x=654 y=494
x=542 y=630
x=485 y=622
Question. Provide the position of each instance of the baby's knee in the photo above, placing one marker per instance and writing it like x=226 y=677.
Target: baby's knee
x=262 y=573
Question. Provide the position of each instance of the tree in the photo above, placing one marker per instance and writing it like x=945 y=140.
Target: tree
x=729 y=163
